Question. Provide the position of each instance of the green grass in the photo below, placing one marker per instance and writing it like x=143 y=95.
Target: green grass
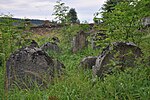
x=77 y=84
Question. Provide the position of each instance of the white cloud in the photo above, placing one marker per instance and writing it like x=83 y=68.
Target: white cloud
x=85 y=3
x=42 y=9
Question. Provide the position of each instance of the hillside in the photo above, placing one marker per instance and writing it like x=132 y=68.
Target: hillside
x=32 y=21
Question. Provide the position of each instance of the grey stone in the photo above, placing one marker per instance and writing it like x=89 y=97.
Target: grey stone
x=88 y=62
x=146 y=21
x=79 y=41
x=50 y=46
x=56 y=39
x=119 y=54
x=31 y=65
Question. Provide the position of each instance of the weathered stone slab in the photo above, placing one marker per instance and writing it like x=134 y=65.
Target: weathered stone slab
x=79 y=41
x=50 y=46
x=146 y=21
x=119 y=54
x=88 y=62
x=30 y=65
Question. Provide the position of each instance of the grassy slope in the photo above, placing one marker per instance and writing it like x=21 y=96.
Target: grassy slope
x=78 y=84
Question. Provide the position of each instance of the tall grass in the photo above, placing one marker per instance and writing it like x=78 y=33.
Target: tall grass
x=77 y=83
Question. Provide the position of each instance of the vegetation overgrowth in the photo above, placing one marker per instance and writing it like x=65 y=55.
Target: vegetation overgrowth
x=77 y=83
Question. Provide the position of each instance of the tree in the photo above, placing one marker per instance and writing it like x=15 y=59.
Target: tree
x=60 y=11
x=107 y=7
x=72 y=16
x=124 y=21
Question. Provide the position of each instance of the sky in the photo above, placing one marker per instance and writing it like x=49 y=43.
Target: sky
x=43 y=9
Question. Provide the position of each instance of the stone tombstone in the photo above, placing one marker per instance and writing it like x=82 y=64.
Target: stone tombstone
x=58 y=67
x=33 y=44
x=50 y=46
x=122 y=53
x=88 y=62
x=56 y=39
x=79 y=41
x=146 y=21
x=30 y=65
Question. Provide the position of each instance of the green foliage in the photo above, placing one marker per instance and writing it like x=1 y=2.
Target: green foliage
x=60 y=11
x=2 y=75
x=77 y=84
x=109 y=5
x=123 y=21
x=11 y=38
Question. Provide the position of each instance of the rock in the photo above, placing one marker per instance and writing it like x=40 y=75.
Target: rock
x=56 y=39
x=31 y=65
x=58 y=67
x=33 y=44
x=50 y=46
x=146 y=21
x=120 y=54
x=88 y=62
x=79 y=41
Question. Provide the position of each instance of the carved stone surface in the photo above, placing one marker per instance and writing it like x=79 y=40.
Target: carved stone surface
x=146 y=21
x=79 y=41
x=88 y=62
x=50 y=46
x=30 y=65
x=119 y=54
x=56 y=39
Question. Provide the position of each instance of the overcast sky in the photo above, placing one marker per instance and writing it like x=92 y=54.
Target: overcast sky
x=43 y=9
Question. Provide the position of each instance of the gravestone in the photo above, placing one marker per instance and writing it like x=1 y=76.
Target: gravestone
x=79 y=41
x=29 y=66
x=88 y=62
x=50 y=46
x=146 y=21
x=119 y=54
x=56 y=39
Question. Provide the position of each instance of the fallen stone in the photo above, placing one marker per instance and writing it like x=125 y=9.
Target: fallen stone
x=50 y=46
x=146 y=21
x=56 y=39
x=88 y=62
x=119 y=54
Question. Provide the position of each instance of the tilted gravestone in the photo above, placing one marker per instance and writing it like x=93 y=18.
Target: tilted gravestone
x=79 y=41
x=56 y=39
x=146 y=21
x=88 y=62
x=119 y=54
x=50 y=46
x=29 y=66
